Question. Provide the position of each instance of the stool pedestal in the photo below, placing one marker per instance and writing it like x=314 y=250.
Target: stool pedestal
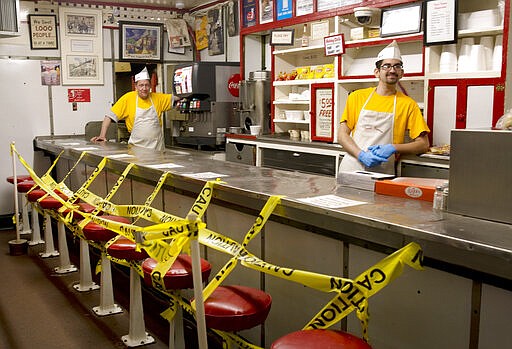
x=65 y=264
x=107 y=305
x=85 y=283
x=36 y=231
x=137 y=334
x=124 y=248
x=25 y=222
x=49 y=249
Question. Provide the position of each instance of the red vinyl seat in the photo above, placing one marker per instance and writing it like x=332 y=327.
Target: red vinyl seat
x=35 y=195
x=234 y=308
x=51 y=203
x=82 y=207
x=124 y=248
x=20 y=178
x=315 y=339
x=25 y=186
x=179 y=277
x=95 y=232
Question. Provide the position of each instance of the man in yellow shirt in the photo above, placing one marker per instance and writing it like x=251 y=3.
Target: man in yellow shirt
x=375 y=120
x=142 y=110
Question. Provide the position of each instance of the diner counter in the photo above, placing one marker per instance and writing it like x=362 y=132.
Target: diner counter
x=467 y=246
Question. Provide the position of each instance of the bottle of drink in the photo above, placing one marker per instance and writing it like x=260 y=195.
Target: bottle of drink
x=305 y=38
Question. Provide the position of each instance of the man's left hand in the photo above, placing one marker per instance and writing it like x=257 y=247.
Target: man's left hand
x=382 y=150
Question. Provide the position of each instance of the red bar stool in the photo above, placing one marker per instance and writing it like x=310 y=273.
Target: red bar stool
x=37 y=196
x=235 y=308
x=24 y=185
x=32 y=197
x=19 y=178
x=179 y=277
x=85 y=283
x=325 y=339
x=95 y=232
x=123 y=248
x=51 y=203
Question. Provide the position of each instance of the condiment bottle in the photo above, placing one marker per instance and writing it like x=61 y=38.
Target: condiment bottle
x=304 y=42
x=438 y=203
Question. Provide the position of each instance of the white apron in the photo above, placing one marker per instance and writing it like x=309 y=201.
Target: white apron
x=372 y=128
x=147 y=131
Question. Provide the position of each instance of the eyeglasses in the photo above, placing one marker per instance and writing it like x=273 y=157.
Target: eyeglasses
x=387 y=66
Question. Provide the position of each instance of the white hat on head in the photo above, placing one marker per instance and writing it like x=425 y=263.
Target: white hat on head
x=143 y=75
x=390 y=52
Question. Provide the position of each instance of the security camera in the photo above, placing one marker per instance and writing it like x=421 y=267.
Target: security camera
x=367 y=16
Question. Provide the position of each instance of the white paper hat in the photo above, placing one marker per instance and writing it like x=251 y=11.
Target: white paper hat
x=143 y=75
x=390 y=52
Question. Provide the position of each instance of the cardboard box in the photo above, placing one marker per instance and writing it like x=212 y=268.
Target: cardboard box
x=358 y=33
x=410 y=187
x=361 y=179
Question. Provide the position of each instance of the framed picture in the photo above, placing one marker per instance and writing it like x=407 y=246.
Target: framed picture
x=281 y=37
x=43 y=32
x=401 y=20
x=322 y=112
x=81 y=33
x=440 y=22
x=139 y=41
x=266 y=10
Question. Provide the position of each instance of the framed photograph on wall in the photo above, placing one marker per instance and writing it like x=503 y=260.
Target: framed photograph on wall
x=140 y=42
x=43 y=32
x=81 y=33
x=281 y=37
x=401 y=20
x=440 y=22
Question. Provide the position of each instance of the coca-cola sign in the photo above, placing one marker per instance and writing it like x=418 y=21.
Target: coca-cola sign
x=234 y=85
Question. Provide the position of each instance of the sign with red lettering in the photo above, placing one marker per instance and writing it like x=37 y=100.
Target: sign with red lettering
x=322 y=122
x=79 y=95
x=234 y=85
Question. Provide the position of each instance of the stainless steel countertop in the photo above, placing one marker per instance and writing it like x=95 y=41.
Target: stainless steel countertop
x=464 y=242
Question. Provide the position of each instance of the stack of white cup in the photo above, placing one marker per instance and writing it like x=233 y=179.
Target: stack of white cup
x=464 y=61
x=497 y=53
x=448 y=59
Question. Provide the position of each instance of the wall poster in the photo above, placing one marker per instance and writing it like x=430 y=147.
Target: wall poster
x=216 y=32
x=81 y=36
x=303 y=7
x=284 y=9
x=266 y=11
x=322 y=113
x=232 y=18
x=249 y=13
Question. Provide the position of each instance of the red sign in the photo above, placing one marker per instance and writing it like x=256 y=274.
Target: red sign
x=79 y=95
x=234 y=85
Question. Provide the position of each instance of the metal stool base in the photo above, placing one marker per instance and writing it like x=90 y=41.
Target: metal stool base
x=136 y=342
x=65 y=270
x=115 y=309
x=85 y=288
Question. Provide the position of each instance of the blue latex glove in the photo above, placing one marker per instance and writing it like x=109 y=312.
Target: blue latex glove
x=382 y=150
x=369 y=159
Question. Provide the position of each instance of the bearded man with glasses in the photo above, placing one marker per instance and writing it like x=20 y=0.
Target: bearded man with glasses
x=375 y=120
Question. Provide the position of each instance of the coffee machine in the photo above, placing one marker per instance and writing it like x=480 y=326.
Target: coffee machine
x=206 y=102
x=255 y=101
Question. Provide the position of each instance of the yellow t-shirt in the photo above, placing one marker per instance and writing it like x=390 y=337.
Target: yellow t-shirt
x=125 y=108
x=407 y=117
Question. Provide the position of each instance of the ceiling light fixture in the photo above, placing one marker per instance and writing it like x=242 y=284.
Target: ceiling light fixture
x=180 y=4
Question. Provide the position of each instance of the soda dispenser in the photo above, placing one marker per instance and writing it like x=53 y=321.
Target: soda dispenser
x=204 y=98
